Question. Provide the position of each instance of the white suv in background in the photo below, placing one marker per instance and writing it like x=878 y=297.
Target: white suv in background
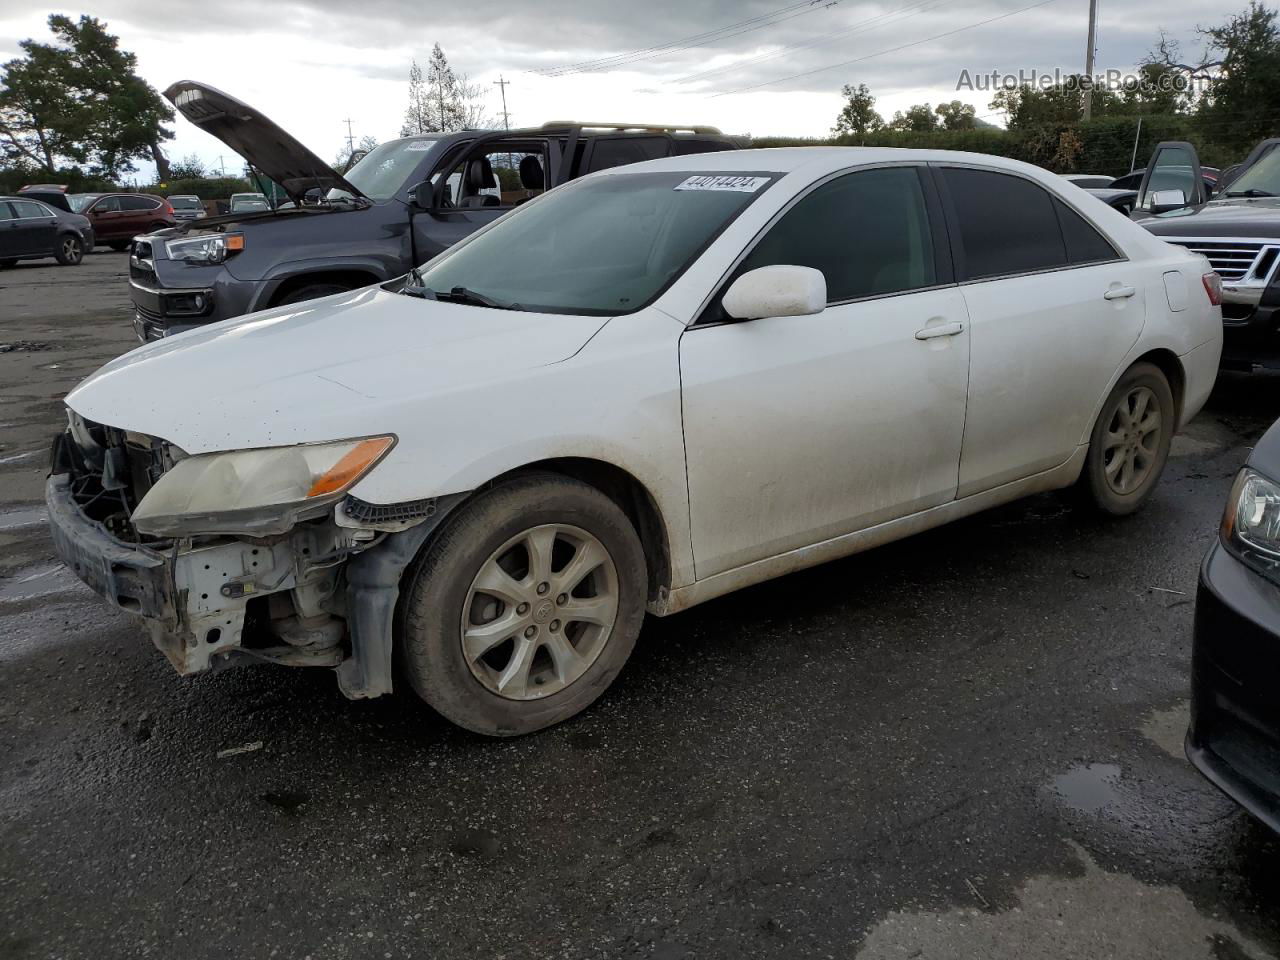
x=647 y=388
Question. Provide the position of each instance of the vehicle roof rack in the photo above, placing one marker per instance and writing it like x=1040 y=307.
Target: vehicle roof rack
x=642 y=127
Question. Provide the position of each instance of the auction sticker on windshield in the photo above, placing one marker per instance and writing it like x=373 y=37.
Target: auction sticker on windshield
x=723 y=182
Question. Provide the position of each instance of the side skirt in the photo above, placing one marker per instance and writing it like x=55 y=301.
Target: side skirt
x=682 y=598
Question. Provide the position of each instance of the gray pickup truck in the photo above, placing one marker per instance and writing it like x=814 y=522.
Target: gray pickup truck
x=399 y=206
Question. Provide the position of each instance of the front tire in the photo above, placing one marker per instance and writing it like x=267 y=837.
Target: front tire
x=70 y=250
x=525 y=607
x=1129 y=445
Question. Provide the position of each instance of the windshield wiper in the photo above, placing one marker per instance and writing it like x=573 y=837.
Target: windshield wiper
x=1251 y=192
x=463 y=295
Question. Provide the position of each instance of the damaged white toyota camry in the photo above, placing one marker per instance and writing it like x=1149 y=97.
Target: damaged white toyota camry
x=641 y=390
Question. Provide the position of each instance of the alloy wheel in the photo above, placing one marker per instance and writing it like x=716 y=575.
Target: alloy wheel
x=71 y=249
x=1132 y=441
x=539 y=612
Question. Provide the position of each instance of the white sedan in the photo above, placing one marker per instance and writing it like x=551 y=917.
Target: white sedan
x=642 y=390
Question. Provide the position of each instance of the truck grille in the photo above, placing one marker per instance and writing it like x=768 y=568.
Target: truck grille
x=1236 y=259
x=150 y=326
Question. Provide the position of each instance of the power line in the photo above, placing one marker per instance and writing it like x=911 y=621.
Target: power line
x=880 y=53
x=901 y=14
x=772 y=18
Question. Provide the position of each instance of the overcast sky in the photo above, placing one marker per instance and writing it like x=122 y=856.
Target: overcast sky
x=311 y=64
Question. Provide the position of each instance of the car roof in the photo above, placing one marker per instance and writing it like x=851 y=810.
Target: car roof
x=817 y=160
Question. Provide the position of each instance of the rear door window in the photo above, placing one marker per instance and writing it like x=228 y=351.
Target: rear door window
x=30 y=210
x=608 y=152
x=107 y=205
x=6 y=212
x=1006 y=224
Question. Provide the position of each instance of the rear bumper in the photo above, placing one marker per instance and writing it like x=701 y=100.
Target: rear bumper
x=1234 y=738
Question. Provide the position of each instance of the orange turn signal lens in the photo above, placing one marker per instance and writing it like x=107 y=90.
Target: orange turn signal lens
x=234 y=241
x=352 y=465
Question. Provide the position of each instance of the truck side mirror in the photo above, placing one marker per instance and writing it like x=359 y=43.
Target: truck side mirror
x=422 y=195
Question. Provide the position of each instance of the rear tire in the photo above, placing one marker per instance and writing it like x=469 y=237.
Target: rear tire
x=524 y=608
x=1129 y=445
x=312 y=291
x=70 y=250
x=118 y=245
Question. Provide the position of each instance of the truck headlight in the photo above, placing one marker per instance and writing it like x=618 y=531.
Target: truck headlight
x=255 y=492
x=206 y=248
x=1251 y=523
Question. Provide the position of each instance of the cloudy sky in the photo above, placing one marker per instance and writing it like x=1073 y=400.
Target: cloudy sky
x=748 y=66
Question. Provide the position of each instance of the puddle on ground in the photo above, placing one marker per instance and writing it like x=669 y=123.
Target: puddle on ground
x=24 y=517
x=1090 y=788
x=1096 y=914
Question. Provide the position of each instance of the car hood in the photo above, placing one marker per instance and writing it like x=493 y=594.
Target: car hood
x=1237 y=217
x=354 y=364
x=260 y=141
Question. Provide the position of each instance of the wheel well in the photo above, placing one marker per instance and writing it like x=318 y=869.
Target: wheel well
x=632 y=498
x=1171 y=367
x=350 y=278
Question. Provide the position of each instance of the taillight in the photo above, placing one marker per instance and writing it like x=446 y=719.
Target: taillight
x=168 y=208
x=1213 y=287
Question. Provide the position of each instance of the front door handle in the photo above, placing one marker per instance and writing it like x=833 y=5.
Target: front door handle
x=940 y=330
x=1119 y=293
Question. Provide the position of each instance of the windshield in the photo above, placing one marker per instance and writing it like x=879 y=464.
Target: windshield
x=382 y=172
x=600 y=246
x=79 y=201
x=184 y=203
x=1260 y=180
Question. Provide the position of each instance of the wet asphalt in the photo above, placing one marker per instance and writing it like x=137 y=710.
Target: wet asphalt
x=966 y=744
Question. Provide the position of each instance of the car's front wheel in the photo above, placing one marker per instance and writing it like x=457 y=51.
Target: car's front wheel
x=1130 y=441
x=525 y=607
x=70 y=250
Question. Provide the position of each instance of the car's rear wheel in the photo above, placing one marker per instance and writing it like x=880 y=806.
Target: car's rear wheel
x=312 y=291
x=70 y=250
x=1129 y=445
x=525 y=607
x=118 y=245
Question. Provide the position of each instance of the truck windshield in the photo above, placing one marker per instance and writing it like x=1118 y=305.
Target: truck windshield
x=1260 y=180
x=603 y=246
x=381 y=173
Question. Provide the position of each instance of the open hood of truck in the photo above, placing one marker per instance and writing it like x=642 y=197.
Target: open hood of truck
x=259 y=140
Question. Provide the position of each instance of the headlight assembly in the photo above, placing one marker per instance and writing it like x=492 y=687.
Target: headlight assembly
x=205 y=248
x=256 y=492
x=1251 y=524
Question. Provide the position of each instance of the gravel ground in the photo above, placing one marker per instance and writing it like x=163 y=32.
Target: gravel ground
x=967 y=744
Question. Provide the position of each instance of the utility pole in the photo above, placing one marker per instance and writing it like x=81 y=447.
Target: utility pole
x=1088 y=58
x=222 y=167
x=502 y=84
x=351 y=140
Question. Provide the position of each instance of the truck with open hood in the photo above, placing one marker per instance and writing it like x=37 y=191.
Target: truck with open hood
x=400 y=205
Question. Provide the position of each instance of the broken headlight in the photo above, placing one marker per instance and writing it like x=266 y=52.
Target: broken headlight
x=206 y=248
x=255 y=492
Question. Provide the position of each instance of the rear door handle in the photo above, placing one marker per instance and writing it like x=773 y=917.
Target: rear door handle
x=941 y=330
x=1119 y=293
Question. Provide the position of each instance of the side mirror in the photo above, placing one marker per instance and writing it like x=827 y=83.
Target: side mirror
x=1162 y=201
x=422 y=195
x=778 y=291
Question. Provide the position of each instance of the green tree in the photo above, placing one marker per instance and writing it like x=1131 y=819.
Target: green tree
x=956 y=115
x=80 y=100
x=858 y=115
x=190 y=167
x=1028 y=107
x=918 y=119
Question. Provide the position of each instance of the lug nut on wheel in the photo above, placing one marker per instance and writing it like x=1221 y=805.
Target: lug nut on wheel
x=530 y=631
x=562 y=599
x=522 y=609
x=554 y=625
x=543 y=588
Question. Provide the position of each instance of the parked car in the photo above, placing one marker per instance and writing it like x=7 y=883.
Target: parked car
x=647 y=388
x=118 y=217
x=31 y=230
x=1237 y=229
x=401 y=204
x=248 y=203
x=186 y=207
x=50 y=194
x=1087 y=180
x=1234 y=738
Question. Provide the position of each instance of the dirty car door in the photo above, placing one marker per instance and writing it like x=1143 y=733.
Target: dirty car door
x=801 y=429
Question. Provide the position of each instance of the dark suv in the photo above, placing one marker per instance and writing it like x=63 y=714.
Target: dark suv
x=399 y=206
x=119 y=217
